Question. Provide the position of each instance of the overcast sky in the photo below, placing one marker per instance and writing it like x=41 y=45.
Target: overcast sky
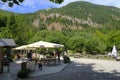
x=29 y=6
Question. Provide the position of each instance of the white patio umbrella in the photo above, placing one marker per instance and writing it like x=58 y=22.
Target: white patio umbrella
x=44 y=44
x=20 y=47
x=24 y=47
x=114 y=51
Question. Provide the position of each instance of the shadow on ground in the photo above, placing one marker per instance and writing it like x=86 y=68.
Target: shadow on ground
x=80 y=71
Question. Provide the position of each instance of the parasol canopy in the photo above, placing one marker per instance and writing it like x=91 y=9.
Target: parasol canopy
x=44 y=44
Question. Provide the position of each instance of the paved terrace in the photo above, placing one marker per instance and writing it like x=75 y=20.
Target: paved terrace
x=14 y=68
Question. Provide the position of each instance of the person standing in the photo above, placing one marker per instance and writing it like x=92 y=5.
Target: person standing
x=58 y=54
x=40 y=64
x=29 y=54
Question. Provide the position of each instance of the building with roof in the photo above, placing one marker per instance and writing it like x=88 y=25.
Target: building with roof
x=8 y=44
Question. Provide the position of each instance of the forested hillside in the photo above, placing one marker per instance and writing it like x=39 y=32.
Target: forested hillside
x=80 y=26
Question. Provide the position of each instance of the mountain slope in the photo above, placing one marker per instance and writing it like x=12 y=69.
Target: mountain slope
x=83 y=14
x=78 y=16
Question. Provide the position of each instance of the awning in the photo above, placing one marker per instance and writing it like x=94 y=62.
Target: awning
x=7 y=43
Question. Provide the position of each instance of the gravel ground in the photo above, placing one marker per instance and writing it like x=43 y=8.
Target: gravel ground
x=86 y=69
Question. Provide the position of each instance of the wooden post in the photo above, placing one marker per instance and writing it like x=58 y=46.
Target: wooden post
x=8 y=52
x=1 y=60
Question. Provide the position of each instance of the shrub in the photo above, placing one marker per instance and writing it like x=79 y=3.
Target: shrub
x=23 y=73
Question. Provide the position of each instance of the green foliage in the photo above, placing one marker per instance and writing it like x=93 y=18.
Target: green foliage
x=114 y=39
x=89 y=38
x=12 y=2
x=76 y=44
x=23 y=73
x=3 y=21
x=51 y=36
x=11 y=27
x=57 y=1
x=95 y=46
x=107 y=16
x=5 y=33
